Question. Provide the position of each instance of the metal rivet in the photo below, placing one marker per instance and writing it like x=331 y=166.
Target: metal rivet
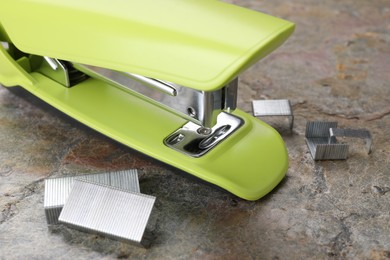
x=191 y=112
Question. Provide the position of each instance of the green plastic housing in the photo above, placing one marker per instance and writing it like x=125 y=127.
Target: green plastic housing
x=195 y=43
x=202 y=44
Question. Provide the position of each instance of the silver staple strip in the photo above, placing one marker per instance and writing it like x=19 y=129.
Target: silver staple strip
x=354 y=133
x=57 y=189
x=322 y=142
x=105 y=210
x=319 y=129
x=276 y=107
x=320 y=149
x=331 y=152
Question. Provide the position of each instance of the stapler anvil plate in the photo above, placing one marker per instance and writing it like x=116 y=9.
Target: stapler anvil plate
x=158 y=76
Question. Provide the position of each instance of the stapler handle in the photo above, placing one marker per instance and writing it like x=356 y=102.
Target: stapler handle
x=202 y=45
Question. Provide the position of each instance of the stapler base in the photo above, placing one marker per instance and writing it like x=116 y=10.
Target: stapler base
x=249 y=163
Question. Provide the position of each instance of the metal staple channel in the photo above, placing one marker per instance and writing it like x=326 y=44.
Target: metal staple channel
x=57 y=189
x=109 y=211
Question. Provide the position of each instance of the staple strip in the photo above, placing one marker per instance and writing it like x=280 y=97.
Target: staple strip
x=321 y=150
x=109 y=211
x=331 y=152
x=312 y=144
x=319 y=129
x=57 y=189
x=354 y=133
x=278 y=107
x=322 y=142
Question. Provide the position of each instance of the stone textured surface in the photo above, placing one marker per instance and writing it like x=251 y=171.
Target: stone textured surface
x=335 y=67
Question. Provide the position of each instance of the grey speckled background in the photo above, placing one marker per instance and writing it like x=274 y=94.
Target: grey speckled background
x=335 y=67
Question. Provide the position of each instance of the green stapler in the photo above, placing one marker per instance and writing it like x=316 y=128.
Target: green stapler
x=157 y=76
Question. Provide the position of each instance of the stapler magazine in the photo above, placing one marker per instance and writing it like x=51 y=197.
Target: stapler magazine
x=158 y=76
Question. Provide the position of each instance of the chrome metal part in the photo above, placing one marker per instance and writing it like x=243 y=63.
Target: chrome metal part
x=230 y=95
x=57 y=189
x=60 y=71
x=205 y=130
x=56 y=70
x=195 y=143
x=322 y=142
x=164 y=87
x=116 y=213
x=277 y=107
x=53 y=63
x=199 y=107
